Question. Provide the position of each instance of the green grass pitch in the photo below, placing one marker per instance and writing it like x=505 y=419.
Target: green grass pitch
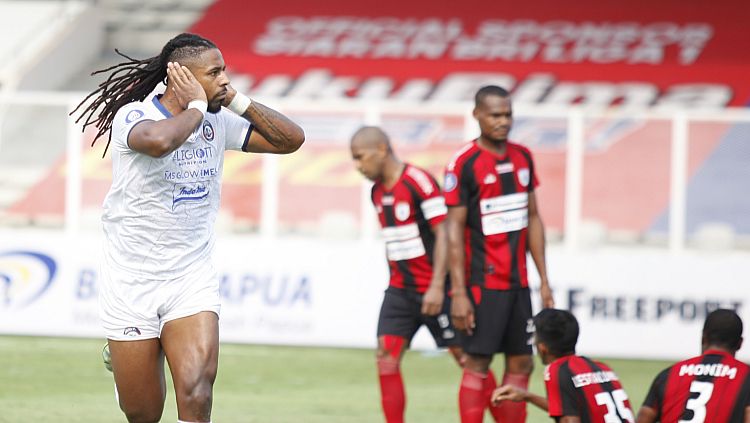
x=63 y=380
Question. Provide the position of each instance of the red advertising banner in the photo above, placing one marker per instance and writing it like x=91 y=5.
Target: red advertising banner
x=631 y=54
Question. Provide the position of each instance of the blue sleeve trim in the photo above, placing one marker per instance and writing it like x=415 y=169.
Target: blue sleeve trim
x=247 y=137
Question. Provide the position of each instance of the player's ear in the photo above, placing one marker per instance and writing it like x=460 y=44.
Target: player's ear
x=383 y=149
x=542 y=350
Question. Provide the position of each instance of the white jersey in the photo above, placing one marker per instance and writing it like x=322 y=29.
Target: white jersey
x=159 y=213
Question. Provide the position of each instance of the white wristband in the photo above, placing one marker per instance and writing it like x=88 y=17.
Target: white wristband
x=199 y=105
x=239 y=103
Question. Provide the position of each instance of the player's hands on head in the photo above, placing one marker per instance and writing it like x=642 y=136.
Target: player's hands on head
x=432 y=302
x=231 y=92
x=184 y=85
x=462 y=313
x=507 y=393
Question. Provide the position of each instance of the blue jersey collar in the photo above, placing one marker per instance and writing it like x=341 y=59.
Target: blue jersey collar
x=160 y=106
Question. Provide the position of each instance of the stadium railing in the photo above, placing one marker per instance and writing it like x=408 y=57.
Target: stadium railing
x=670 y=178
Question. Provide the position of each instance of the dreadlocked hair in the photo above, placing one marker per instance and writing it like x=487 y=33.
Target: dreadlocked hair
x=133 y=80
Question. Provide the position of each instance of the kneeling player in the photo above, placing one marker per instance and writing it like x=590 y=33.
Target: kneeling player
x=712 y=387
x=578 y=389
x=411 y=211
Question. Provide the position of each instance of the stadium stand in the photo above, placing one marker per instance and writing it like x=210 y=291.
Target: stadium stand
x=143 y=26
x=51 y=45
x=41 y=35
x=45 y=44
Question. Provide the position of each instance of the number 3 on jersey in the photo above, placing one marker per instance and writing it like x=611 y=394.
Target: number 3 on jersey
x=698 y=405
x=617 y=411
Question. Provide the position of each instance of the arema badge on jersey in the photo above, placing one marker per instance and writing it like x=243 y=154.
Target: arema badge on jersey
x=133 y=115
x=208 y=131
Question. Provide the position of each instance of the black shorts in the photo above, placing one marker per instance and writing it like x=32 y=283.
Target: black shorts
x=401 y=315
x=503 y=322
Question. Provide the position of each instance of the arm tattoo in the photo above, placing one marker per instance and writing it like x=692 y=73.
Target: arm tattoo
x=276 y=128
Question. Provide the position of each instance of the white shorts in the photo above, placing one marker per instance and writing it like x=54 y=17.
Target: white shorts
x=133 y=309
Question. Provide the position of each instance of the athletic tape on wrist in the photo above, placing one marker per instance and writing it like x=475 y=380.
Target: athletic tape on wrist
x=239 y=103
x=200 y=105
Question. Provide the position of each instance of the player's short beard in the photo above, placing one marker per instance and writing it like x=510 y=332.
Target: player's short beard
x=214 y=107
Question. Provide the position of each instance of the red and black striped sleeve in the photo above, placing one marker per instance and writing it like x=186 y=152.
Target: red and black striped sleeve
x=561 y=394
x=655 y=397
x=426 y=195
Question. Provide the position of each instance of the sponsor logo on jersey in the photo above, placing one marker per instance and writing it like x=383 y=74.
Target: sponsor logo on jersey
x=208 y=172
x=402 y=211
x=504 y=222
x=133 y=115
x=24 y=277
x=504 y=168
x=189 y=193
x=387 y=200
x=208 y=131
x=192 y=154
x=404 y=250
x=490 y=179
x=131 y=331
x=523 y=176
x=518 y=200
x=451 y=181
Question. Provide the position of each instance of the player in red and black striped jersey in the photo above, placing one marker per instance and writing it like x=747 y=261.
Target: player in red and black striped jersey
x=578 y=388
x=712 y=387
x=411 y=211
x=492 y=221
x=408 y=211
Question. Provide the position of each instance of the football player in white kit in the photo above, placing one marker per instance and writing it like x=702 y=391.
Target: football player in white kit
x=159 y=294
